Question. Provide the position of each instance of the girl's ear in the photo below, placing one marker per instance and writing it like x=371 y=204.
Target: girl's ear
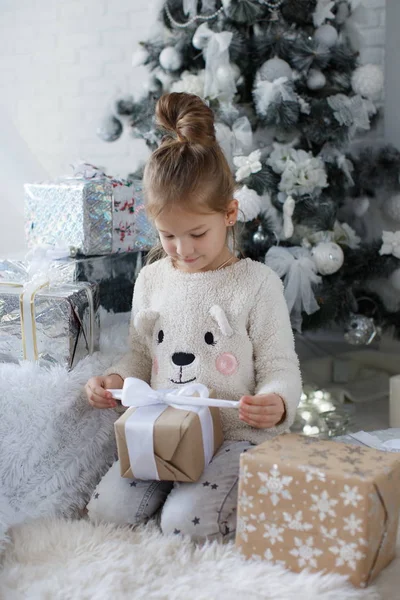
x=232 y=212
x=220 y=317
x=144 y=322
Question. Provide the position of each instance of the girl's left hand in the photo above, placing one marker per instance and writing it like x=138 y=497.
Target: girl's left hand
x=262 y=411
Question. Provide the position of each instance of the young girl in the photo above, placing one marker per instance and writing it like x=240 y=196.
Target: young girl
x=200 y=314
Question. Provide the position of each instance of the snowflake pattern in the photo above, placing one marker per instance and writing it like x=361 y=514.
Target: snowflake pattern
x=273 y=533
x=245 y=474
x=245 y=501
x=244 y=528
x=305 y=553
x=312 y=473
x=347 y=553
x=352 y=524
x=296 y=522
x=350 y=496
x=275 y=485
x=323 y=505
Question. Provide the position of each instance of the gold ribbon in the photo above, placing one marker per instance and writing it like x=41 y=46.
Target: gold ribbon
x=35 y=352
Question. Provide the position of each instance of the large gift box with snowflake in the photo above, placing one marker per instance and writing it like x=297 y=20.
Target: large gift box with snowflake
x=90 y=212
x=319 y=505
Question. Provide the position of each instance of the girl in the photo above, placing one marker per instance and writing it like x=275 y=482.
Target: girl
x=200 y=314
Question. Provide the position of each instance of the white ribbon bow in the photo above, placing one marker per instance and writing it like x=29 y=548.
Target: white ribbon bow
x=266 y=92
x=390 y=243
x=236 y=140
x=216 y=54
x=150 y=404
x=298 y=269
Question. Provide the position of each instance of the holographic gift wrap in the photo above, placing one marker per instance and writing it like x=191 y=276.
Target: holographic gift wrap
x=97 y=215
x=65 y=321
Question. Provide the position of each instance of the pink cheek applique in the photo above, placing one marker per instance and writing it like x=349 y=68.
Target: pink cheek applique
x=227 y=364
x=155 y=366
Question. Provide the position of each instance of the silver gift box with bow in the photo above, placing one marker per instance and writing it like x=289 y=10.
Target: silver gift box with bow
x=46 y=318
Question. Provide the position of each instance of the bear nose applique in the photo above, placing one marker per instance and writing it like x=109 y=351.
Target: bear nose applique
x=182 y=359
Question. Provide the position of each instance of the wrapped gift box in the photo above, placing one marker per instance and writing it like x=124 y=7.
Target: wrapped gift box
x=115 y=275
x=91 y=212
x=59 y=325
x=319 y=505
x=178 y=443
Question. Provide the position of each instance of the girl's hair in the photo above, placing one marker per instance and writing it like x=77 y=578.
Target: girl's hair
x=189 y=169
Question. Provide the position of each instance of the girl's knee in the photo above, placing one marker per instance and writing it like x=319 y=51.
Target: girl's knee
x=176 y=520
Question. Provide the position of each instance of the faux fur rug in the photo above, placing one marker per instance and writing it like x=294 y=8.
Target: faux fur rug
x=54 y=447
x=76 y=560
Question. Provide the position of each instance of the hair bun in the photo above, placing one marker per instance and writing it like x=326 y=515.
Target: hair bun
x=188 y=117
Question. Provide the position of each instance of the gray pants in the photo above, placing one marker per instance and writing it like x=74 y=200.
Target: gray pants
x=203 y=510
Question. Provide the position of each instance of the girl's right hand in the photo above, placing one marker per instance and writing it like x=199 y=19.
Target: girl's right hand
x=97 y=394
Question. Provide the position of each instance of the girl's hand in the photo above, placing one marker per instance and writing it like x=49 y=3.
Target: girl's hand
x=96 y=391
x=262 y=411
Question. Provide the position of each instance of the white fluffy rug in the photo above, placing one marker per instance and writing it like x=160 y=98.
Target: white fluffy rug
x=76 y=560
x=54 y=447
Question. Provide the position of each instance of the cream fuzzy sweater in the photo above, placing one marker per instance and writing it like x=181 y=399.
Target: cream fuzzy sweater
x=228 y=329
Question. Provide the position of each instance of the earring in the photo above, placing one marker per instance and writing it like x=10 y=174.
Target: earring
x=231 y=222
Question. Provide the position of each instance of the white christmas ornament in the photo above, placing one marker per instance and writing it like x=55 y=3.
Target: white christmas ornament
x=249 y=204
x=247 y=165
x=170 y=59
x=395 y=279
x=328 y=257
x=327 y=35
x=391 y=208
x=139 y=57
x=315 y=80
x=274 y=69
x=225 y=74
x=190 y=83
x=368 y=81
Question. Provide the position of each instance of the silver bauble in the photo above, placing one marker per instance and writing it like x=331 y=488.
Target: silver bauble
x=259 y=236
x=391 y=208
x=360 y=205
x=110 y=129
x=273 y=69
x=360 y=330
x=368 y=81
x=170 y=59
x=316 y=80
x=225 y=74
x=328 y=257
x=327 y=35
x=199 y=41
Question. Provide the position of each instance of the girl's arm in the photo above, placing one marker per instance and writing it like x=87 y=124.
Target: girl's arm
x=276 y=363
x=137 y=361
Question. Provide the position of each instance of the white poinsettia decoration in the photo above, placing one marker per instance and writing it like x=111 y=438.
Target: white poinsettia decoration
x=279 y=156
x=247 y=165
x=390 y=243
x=190 y=83
x=303 y=174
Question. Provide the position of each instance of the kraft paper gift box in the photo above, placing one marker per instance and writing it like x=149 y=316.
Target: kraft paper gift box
x=319 y=505
x=177 y=446
x=91 y=212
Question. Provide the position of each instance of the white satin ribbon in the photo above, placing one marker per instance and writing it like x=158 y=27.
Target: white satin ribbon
x=150 y=404
x=216 y=54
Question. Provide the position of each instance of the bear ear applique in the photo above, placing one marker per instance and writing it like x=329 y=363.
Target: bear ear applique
x=218 y=314
x=144 y=322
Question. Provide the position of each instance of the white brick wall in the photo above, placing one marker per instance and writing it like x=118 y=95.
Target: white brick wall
x=62 y=63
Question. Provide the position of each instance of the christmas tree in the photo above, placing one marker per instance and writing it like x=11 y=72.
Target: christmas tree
x=289 y=95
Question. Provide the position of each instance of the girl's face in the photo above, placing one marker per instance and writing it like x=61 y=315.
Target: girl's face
x=195 y=241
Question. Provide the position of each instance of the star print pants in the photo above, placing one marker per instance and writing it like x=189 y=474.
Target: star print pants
x=203 y=510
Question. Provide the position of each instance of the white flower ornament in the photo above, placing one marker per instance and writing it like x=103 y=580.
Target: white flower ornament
x=247 y=165
x=390 y=243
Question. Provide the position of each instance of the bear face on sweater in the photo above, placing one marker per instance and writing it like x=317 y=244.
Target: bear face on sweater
x=207 y=347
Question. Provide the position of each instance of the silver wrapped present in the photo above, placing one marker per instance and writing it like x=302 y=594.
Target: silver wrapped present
x=51 y=322
x=90 y=212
